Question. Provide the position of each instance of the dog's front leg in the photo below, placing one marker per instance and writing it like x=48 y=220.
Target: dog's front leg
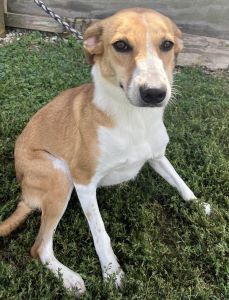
x=164 y=168
x=108 y=260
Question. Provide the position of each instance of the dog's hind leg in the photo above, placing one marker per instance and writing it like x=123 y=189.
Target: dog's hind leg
x=50 y=187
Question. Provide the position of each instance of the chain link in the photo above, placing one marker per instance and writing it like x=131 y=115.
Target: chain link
x=76 y=33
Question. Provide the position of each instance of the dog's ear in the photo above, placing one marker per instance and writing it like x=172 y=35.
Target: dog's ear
x=178 y=39
x=93 y=44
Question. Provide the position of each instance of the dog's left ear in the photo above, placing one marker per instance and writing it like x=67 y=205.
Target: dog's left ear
x=178 y=39
x=93 y=44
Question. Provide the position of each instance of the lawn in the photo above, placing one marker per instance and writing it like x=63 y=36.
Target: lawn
x=168 y=249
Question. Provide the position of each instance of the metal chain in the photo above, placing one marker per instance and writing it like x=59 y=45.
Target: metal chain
x=76 y=33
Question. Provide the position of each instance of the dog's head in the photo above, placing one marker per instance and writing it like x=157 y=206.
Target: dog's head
x=136 y=50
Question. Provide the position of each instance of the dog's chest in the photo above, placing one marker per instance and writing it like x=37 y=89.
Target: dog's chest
x=125 y=148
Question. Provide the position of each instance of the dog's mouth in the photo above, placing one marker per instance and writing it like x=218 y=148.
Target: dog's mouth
x=141 y=103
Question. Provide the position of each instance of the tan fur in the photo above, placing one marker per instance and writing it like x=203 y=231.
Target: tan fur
x=66 y=128
x=52 y=199
x=18 y=216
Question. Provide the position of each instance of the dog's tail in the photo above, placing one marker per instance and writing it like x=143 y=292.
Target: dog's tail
x=18 y=216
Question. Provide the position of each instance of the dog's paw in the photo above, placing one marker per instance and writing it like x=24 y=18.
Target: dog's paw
x=188 y=195
x=117 y=276
x=119 y=279
x=73 y=282
x=114 y=272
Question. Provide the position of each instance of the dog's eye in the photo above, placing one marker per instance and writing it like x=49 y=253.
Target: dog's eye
x=166 y=46
x=122 y=46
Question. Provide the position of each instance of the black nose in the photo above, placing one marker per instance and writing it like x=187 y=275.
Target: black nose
x=152 y=96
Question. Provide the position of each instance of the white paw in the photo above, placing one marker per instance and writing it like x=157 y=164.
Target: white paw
x=73 y=281
x=114 y=271
x=188 y=195
x=207 y=208
x=118 y=279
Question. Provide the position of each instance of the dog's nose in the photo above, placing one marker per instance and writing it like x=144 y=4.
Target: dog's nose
x=152 y=95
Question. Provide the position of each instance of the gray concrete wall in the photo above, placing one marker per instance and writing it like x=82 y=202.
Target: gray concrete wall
x=2 y=22
x=203 y=17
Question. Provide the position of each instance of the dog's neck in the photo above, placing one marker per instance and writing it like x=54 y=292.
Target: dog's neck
x=112 y=99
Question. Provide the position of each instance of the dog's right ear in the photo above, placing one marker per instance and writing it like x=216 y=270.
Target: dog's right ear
x=93 y=44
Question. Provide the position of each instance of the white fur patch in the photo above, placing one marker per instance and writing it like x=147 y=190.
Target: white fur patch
x=207 y=208
x=61 y=165
x=149 y=72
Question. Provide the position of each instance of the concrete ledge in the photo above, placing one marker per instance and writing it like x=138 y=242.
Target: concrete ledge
x=204 y=51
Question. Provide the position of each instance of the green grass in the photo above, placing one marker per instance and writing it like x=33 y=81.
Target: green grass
x=167 y=248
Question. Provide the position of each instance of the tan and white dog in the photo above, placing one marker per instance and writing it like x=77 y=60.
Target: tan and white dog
x=100 y=134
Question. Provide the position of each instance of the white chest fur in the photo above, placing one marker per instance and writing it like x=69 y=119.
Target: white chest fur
x=124 y=149
x=139 y=134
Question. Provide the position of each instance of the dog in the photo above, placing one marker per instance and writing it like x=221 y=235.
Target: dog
x=100 y=134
